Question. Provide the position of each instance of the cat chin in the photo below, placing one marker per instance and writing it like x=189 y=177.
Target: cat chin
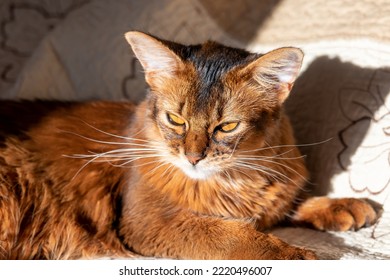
x=195 y=172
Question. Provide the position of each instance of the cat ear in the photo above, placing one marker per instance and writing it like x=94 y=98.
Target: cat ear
x=155 y=57
x=276 y=71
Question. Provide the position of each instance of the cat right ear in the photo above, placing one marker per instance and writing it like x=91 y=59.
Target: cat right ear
x=156 y=58
x=276 y=71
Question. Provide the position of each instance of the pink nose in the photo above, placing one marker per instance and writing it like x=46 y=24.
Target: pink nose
x=194 y=158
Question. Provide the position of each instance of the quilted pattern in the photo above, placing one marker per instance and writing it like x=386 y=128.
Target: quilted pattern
x=74 y=49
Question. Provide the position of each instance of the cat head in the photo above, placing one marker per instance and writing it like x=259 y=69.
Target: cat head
x=209 y=101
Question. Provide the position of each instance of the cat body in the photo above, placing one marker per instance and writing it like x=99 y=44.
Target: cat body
x=195 y=171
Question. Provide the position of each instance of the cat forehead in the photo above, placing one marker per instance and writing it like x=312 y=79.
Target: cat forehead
x=211 y=61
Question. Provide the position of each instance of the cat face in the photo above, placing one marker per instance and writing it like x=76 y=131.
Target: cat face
x=208 y=102
x=200 y=139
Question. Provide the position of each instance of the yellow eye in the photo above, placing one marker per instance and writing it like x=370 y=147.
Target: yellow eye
x=175 y=120
x=229 y=127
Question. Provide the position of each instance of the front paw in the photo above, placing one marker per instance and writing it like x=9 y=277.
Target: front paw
x=268 y=247
x=341 y=214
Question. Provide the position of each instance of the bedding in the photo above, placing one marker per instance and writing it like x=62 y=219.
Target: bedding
x=339 y=107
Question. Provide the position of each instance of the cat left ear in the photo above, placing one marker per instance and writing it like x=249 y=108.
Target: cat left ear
x=276 y=71
x=155 y=57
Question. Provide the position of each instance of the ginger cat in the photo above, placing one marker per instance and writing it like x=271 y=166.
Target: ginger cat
x=195 y=171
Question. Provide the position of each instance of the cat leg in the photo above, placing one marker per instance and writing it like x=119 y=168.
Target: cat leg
x=268 y=247
x=338 y=214
x=188 y=236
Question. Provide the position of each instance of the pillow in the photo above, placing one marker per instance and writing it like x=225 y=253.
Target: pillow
x=87 y=57
x=339 y=107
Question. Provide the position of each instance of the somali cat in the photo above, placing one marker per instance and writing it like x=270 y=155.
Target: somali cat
x=196 y=171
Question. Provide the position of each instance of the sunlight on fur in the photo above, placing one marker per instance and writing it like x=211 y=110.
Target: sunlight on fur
x=196 y=171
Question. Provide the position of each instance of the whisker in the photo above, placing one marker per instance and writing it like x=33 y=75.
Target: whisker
x=147 y=163
x=82 y=167
x=235 y=146
x=114 y=157
x=118 y=151
x=280 y=164
x=103 y=157
x=171 y=171
x=139 y=165
x=242 y=172
x=110 y=142
x=166 y=170
x=265 y=169
x=140 y=131
x=277 y=156
x=126 y=160
x=118 y=136
x=286 y=146
x=270 y=157
x=226 y=172
x=246 y=166
x=157 y=167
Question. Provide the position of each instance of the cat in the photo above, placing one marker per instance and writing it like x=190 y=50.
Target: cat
x=198 y=170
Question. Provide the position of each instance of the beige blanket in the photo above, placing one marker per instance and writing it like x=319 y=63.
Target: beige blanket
x=75 y=50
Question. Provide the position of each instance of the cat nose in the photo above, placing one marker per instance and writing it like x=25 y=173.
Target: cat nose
x=194 y=158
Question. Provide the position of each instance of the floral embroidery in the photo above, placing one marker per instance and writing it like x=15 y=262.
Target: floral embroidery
x=367 y=157
x=23 y=24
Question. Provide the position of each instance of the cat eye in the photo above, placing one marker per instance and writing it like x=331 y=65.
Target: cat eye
x=175 y=120
x=229 y=127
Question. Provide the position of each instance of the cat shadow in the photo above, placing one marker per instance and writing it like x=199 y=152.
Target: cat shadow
x=335 y=104
x=29 y=114
x=331 y=107
x=330 y=245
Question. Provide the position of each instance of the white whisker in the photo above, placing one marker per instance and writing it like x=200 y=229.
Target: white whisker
x=110 y=142
x=278 y=156
x=128 y=155
x=246 y=166
x=147 y=163
x=278 y=163
x=287 y=146
x=242 y=172
x=226 y=172
x=82 y=167
x=126 y=161
x=162 y=163
x=139 y=165
x=119 y=136
x=235 y=146
x=171 y=166
x=265 y=170
x=126 y=151
x=114 y=157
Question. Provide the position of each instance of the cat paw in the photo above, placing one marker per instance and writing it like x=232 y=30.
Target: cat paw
x=340 y=214
x=269 y=247
x=297 y=253
x=289 y=252
x=280 y=250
